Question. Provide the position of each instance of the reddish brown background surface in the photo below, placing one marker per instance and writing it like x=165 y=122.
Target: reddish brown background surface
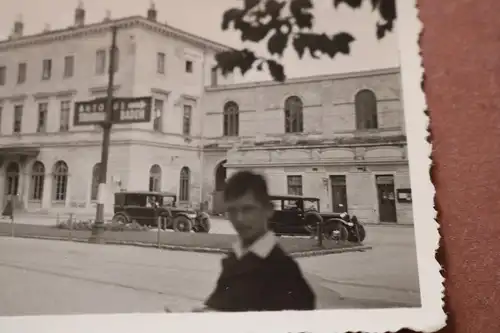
x=461 y=55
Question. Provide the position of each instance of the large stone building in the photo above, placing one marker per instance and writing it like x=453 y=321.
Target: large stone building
x=339 y=137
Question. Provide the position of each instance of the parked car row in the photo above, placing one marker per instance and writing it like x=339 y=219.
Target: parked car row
x=293 y=215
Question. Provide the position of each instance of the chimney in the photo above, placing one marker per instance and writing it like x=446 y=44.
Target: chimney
x=152 y=12
x=80 y=15
x=46 y=28
x=108 y=16
x=18 y=27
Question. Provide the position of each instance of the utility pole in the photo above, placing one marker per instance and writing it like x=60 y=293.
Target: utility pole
x=98 y=227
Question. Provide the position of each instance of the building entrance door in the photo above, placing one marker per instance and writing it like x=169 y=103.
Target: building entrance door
x=339 y=194
x=11 y=183
x=220 y=183
x=386 y=198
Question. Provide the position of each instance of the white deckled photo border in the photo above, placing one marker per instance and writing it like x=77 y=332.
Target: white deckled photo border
x=428 y=318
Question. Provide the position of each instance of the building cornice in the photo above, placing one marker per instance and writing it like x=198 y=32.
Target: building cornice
x=74 y=32
x=306 y=79
x=330 y=162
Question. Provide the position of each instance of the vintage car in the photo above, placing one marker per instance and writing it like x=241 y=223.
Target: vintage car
x=146 y=207
x=299 y=215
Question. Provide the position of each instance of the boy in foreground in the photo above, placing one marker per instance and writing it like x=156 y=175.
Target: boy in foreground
x=257 y=275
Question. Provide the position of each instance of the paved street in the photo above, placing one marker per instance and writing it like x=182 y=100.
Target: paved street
x=55 y=277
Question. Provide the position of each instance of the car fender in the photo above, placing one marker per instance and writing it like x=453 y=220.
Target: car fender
x=315 y=215
x=333 y=221
x=123 y=214
x=182 y=214
x=203 y=215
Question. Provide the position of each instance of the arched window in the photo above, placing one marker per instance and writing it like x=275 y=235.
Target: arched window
x=294 y=117
x=59 y=181
x=37 y=181
x=155 y=178
x=184 y=184
x=94 y=190
x=365 y=104
x=231 y=119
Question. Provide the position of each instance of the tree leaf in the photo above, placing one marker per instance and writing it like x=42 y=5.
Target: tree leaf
x=274 y=7
x=375 y=4
x=276 y=70
x=228 y=61
x=250 y=4
x=277 y=43
x=253 y=33
x=323 y=44
x=387 y=9
x=342 y=42
x=299 y=45
x=299 y=9
x=351 y=3
x=245 y=60
x=231 y=15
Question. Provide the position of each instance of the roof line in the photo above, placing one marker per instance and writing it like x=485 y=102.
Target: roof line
x=75 y=30
x=311 y=78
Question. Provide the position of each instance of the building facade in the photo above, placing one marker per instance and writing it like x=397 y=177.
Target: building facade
x=340 y=138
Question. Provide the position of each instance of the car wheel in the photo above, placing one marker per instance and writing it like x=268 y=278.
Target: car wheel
x=361 y=232
x=120 y=218
x=337 y=232
x=182 y=224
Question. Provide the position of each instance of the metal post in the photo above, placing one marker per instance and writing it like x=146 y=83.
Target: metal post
x=319 y=229
x=158 y=225
x=98 y=226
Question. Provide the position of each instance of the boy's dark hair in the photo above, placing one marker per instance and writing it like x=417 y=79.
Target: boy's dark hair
x=243 y=182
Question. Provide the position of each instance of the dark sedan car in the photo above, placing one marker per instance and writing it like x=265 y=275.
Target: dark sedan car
x=146 y=207
x=299 y=215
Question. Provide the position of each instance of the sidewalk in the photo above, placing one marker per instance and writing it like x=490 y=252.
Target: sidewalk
x=195 y=242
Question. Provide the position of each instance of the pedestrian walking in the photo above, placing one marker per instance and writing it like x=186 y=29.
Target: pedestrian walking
x=257 y=275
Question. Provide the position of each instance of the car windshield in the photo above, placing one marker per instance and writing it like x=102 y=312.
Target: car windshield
x=168 y=201
x=311 y=205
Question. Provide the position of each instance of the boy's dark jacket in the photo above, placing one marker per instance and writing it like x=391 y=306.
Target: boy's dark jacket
x=253 y=283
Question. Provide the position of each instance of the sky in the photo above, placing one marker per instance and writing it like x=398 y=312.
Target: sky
x=203 y=18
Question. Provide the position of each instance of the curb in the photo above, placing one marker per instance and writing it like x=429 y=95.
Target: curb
x=302 y=254
x=315 y=253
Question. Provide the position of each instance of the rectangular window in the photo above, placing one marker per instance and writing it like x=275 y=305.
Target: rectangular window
x=160 y=63
x=214 y=77
x=158 y=115
x=294 y=184
x=64 y=117
x=18 y=118
x=189 y=66
x=3 y=75
x=46 y=69
x=42 y=117
x=100 y=62
x=186 y=122
x=69 y=66
x=21 y=72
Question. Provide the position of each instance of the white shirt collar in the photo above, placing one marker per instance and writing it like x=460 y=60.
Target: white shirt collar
x=262 y=247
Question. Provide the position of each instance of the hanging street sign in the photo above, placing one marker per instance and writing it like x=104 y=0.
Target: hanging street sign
x=124 y=111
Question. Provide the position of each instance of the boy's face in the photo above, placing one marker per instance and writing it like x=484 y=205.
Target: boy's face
x=249 y=217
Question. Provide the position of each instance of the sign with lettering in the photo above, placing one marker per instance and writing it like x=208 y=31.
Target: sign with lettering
x=124 y=110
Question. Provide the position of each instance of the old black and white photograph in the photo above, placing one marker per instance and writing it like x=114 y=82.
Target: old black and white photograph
x=173 y=162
